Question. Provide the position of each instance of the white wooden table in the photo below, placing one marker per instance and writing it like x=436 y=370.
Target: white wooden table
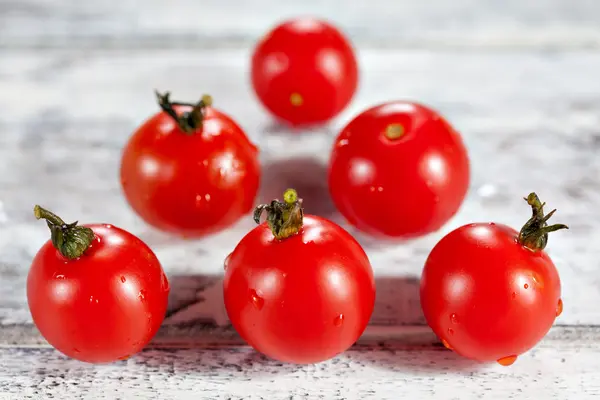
x=520 y=80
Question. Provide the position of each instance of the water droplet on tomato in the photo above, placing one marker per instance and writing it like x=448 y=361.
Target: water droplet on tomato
x=450 y=331
x=142 y=295
x=59 y=276
x=506 y=361
x=380 y=189
x=338 y=320
x=123 y=279
x=559 y=307
x=454 y=318
x=257 y=301
x=526 y=286
x=226 y=261
x=342 y=143
x=513 y=295
x=372 y=188
x=447 y=345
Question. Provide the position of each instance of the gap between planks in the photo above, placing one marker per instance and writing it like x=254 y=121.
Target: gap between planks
x=209 y=336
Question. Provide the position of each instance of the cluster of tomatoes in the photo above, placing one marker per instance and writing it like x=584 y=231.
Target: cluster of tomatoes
x=297 y=288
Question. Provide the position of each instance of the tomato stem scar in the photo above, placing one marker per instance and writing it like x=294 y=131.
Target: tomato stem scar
x=283 y=217
x=534 y=234
x=71 y=240
x=189 y=121
x=296 y=99
x=394 y=131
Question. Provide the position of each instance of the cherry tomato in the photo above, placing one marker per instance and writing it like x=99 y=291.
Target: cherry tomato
x=298 y=288
x=304 y=71
x=398 y=170
x=490 y=292
x=190 y=170
x=96 y=292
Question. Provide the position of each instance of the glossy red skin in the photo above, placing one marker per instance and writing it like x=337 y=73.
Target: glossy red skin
x=285 y=297
x=309 y=57
x=105 y=305
x=401 y=188
x=190 y=185
x=504 y=297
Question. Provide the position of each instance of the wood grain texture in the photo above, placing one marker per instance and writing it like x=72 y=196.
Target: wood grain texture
x=534 y=114
x=483 y=24
x=563 y=366
x=519 y=79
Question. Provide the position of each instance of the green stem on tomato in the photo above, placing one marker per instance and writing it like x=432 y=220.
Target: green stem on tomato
x=71 y=240
x=283 y=217
x=189 y=121
x=534 y=234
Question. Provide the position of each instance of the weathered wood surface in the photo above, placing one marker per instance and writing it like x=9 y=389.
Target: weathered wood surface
x=519 y=79
x=563 y=366
x=484 y=24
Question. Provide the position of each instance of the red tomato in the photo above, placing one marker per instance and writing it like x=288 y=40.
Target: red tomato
x=298 y=288
x=190 y=170
x=490 y=292
x=304 y=71
x=398 y=170
x=96 y=292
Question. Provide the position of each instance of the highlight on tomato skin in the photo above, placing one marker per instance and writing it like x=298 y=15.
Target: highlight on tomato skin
x=190 y=170
x=491 y=293
x=96 y=292
x=398 y=170
x=298 y=288
x=304 y=71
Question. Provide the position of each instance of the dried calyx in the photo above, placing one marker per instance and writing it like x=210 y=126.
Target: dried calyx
x=534 y=234
x=283 y=217
x=188 y=121
x=71 y=240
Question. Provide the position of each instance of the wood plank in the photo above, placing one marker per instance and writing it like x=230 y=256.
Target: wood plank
x=563 y=366
x=207 y=23
x=530 y=121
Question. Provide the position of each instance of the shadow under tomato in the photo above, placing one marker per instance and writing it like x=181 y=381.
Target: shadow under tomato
x=277 y=128
x=196 y=306
x=308 y=176
x=397 y=336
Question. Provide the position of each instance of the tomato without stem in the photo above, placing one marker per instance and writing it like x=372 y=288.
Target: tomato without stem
x=304 y=71
x=398 y=170
x=96 y=292
x=298 y=288
x=190 y=170
x=490 y=292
